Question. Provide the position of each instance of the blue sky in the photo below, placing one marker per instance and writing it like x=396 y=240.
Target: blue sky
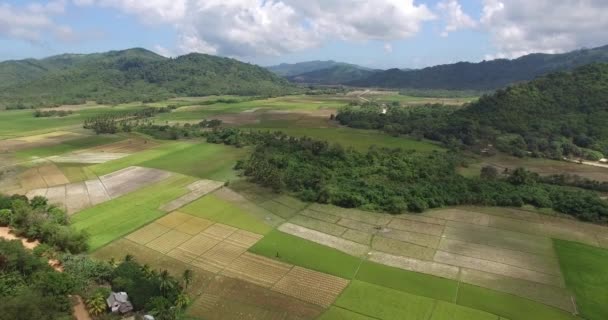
x=373 y=33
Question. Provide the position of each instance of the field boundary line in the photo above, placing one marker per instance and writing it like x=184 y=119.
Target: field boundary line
x=458 y=285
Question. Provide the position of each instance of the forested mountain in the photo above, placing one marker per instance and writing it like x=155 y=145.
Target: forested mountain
x=338 y=74
x=134 y=74
x=563 y=113
x=486 y=75
x=294 y=69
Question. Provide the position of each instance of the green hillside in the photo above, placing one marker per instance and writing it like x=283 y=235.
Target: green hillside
x=294 y=69
x=563 y=113
x=338 y=74
x=134 y=74
x=485 y=75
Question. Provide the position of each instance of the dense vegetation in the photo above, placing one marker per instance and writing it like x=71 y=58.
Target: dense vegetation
x=36 y=219
x=137 y=74
x=486 y=75
x=562 y=114
x=393 y=180
x=51 y=113
x=339 y=74
x=294 y=69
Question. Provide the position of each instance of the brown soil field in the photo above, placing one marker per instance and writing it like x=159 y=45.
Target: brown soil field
x=420 y=239
x=130 y=179
x=87 y=157
x=41 y=140
x=147 y=233
x=194 y=226
x=416 y=226
x=198 y=189
x=257 y=269
x=168 y=241
x=174 y=219
x=218 y=257
x=219 y=231
x=233 y=299
x=311 y=286
x=319 y=225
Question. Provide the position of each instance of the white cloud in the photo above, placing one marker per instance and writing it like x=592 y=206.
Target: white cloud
x=33 y=21
x=388 y=48
x=454 y=17
x=520 y=27
x=246 y=28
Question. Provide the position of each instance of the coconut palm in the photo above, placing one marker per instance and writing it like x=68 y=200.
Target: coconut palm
x=166 y=282
x=129 y=257
x=182 y=301
x=187 y=278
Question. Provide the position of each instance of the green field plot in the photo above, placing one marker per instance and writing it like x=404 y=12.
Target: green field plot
x=336 y=313
x=138 y=158
x=114 y=219
x=384 y=303
x=67 y=146
x=450 y=311
x=507 y=305
x=203 y=160
x=304 y=253
x=213 y=208
x=76 y=172
x=357 y=138
x=584 y=268
x=408 y=281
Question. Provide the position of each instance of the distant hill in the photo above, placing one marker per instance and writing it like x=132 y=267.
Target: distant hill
x=130 y=75
x=293 y=69
x=337 y=74
x=486 y=75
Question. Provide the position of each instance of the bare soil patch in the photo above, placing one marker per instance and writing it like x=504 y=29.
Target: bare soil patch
x=87 y=157
x=147 y=233
x=131 y=179
x=401 y=248
x=411 y=264
x=350 y=247
x=198 y=189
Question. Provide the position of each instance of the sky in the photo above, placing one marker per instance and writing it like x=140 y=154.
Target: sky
x=373 y=33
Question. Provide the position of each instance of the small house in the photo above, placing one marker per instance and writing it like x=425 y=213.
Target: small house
x=119 y=302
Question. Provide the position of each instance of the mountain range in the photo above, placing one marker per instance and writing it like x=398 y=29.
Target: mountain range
x=131 y=75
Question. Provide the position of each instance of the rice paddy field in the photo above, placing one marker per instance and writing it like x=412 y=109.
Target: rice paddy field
x=255 y=254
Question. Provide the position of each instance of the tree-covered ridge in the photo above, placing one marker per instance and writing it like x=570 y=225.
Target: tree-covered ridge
x=338 y=74
x=137 y=74
x=394 y=180
x=561 y=114
x=294 y=69
x=486 y=75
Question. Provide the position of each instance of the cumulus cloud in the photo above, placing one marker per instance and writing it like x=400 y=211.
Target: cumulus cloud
x=520 y=27
x=455 y=18
x=244 y=28
x=33 y=21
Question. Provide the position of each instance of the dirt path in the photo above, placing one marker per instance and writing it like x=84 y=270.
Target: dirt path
x=80 y=310
x=5 y=233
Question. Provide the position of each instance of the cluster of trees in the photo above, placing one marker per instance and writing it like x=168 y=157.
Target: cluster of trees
x=394 y=180
x=36 y=219
x=137 y=75
x=562 y=114
x=30 y=288
x=123 y=121
x=176 y=131
x=52 y=113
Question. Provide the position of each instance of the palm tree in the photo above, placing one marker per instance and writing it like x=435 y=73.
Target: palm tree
x=113 y=262
x=165 y=281
x=147 y=271
x=187 y=278
x=129 y=257
x=96 y=304
x=182 y=301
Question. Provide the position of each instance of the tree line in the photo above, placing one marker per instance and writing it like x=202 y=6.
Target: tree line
x=393 y=180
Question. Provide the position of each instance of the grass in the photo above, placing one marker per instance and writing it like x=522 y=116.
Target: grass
x=304 y=253
x=584 y=269
x=113 y=219
x=406 y=281
x=67 y=146
x=203 y=160
x=138 y=158
x=358 y=139
x=507 y=305
x=215 y=209
x=450 y=311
